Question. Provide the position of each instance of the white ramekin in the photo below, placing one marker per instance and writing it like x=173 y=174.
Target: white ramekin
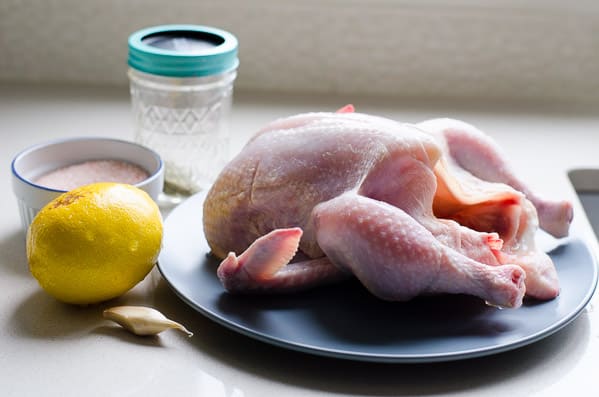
x=37 y=160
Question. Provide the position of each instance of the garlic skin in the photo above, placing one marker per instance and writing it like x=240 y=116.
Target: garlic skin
x=142 y=320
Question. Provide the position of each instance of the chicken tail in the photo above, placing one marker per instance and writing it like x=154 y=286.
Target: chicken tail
x=349 y=108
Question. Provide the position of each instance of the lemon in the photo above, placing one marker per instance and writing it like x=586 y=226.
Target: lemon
x=94 y=242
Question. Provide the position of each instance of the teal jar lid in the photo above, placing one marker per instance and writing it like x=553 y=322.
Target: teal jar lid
x=183 y=51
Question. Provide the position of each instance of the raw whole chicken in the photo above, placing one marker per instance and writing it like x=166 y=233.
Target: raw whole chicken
x=407 y=209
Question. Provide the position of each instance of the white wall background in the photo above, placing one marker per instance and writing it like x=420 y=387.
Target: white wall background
x=527 y=50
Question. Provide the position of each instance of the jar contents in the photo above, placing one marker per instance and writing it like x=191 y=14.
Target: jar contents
x=72 y=176
x=187 y=125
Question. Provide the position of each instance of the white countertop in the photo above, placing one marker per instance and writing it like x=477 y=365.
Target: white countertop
x=52 y=349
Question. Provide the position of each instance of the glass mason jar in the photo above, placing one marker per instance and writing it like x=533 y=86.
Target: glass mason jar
x=181 y=81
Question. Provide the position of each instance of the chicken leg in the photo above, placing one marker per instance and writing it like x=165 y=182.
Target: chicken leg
x=477 y=153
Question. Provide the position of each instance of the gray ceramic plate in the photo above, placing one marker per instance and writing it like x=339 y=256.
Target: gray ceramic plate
x=345 y=321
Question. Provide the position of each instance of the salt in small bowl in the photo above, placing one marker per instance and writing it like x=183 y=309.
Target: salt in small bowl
x=35 y=161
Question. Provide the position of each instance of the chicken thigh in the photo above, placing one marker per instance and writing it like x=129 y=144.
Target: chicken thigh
x=319 y=197
x=472 y=177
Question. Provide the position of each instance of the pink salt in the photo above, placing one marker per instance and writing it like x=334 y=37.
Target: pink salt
x=72 y=176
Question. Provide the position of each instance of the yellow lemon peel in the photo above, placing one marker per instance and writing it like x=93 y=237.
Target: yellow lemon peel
x=94 y=242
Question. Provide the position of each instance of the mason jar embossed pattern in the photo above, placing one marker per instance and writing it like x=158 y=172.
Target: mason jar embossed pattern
x=181 y=80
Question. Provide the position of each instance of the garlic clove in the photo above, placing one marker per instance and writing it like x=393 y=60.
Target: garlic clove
x=142 y=320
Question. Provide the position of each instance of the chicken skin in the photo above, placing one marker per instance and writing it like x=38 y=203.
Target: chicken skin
x=406 y=209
